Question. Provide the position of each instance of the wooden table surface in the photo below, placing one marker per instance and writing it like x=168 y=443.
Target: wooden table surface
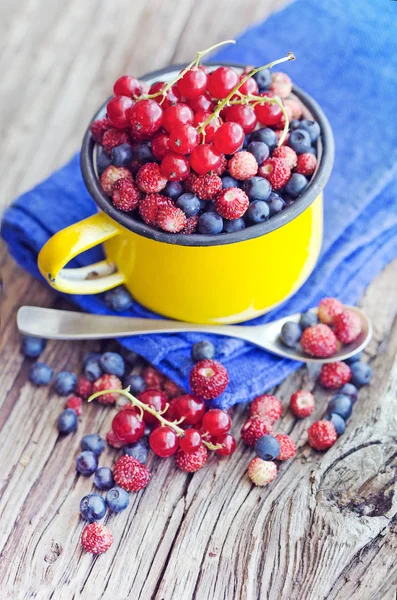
x=326 y=528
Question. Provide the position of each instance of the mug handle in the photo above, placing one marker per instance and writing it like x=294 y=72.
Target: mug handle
x=68 y=243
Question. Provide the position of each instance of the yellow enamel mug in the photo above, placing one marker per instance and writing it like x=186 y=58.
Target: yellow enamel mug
x=225 y=278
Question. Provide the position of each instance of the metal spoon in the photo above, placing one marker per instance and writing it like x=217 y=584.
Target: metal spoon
x=67 y=325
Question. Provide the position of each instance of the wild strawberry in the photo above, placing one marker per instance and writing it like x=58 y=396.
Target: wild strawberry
x=171 y=219
x=206 y=187
x=125 y=195
x=114 y=137
x=281 y=84
x=130 y=474
x=232 y=203
x=328 y=309
x=189 y=181
x=335 y=375
x=208 y=379
x=191 y=225
x=111 y=175
x=192 y=461
x=98 y=129
x=107 y=382
x=319 y=340
x=83 y=387
x=149 y=178
x=347 y=326
x=149 y=207
x=243 y=165
x=153 y=378
x=96 y=538
x=222 y=166
x=261 y=472
x=287 y=446
x=266 y=406
x=170 y=389
x=306 y=164
x=322 y=435
x=302 y=404
x=254 y=428
x=76 y=404
x=286 y=153
x=295 y=107
x=112 y=438
x=276 y=171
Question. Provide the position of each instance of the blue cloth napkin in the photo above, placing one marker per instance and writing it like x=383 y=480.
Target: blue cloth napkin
x=347 y=59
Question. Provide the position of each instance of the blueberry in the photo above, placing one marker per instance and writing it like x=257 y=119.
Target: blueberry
x=228 y=181
x=103 y=161
x=103 y=478
x=349 y=390
x=65 y=383
x=354 y=358
x=312 y=150
x=93 y=369
x=258 y=211
x=263 y=79
x=113 y=363
x=92 y=507
x=117 y=499
x=118 y=299
x=267 y=447
x=234 y=225
x=208 y=206
x=32 y=346
x=337 y=422
x=89 y=356
x=122 y=155
x=361 y=374
x=296 y=184
x=210 y=223
x=265 y=135
x=299 y=140
x=67 y=421
x=247 y=141
x=173 y=190
x=291 y=333
x=260 y=150
x=294 y=124
x=137 y=384
x=144 y=152
x=130 y=357
x=139 y=450
x=257 y=188
x=203 y=350
x=308 y=319
x=94 y=443
x=276 y=203
x=341 y=405
x=189 y=203
x=40 y=373
x=86 y=463
x=312 y=128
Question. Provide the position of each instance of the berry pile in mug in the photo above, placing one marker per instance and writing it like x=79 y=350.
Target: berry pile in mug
x=322 y=333
x=207 y=153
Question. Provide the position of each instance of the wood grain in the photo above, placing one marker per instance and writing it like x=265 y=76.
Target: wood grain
x=326 y=528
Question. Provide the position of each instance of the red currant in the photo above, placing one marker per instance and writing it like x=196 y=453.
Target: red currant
x=155 y=399
x=117 y=111
x=191 y=441
x=212 y=126
x=127 y=426
x=202 y=104
x=127 y=86
x=183 y=138
x=229 y=137
x=177 y=114
x=190 y=408
x=216 y=422
x=249 y=87
x=193 y=83
x=160 y=145
x=205 y=158
x=146 y=116
x=266 y=113
x=243 y=115
x=222 y=81
x=228 y=444
x=172 y=96
x=163 y=441
x=175 y=167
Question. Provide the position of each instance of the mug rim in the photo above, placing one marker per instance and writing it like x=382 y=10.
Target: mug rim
x=290 y=213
